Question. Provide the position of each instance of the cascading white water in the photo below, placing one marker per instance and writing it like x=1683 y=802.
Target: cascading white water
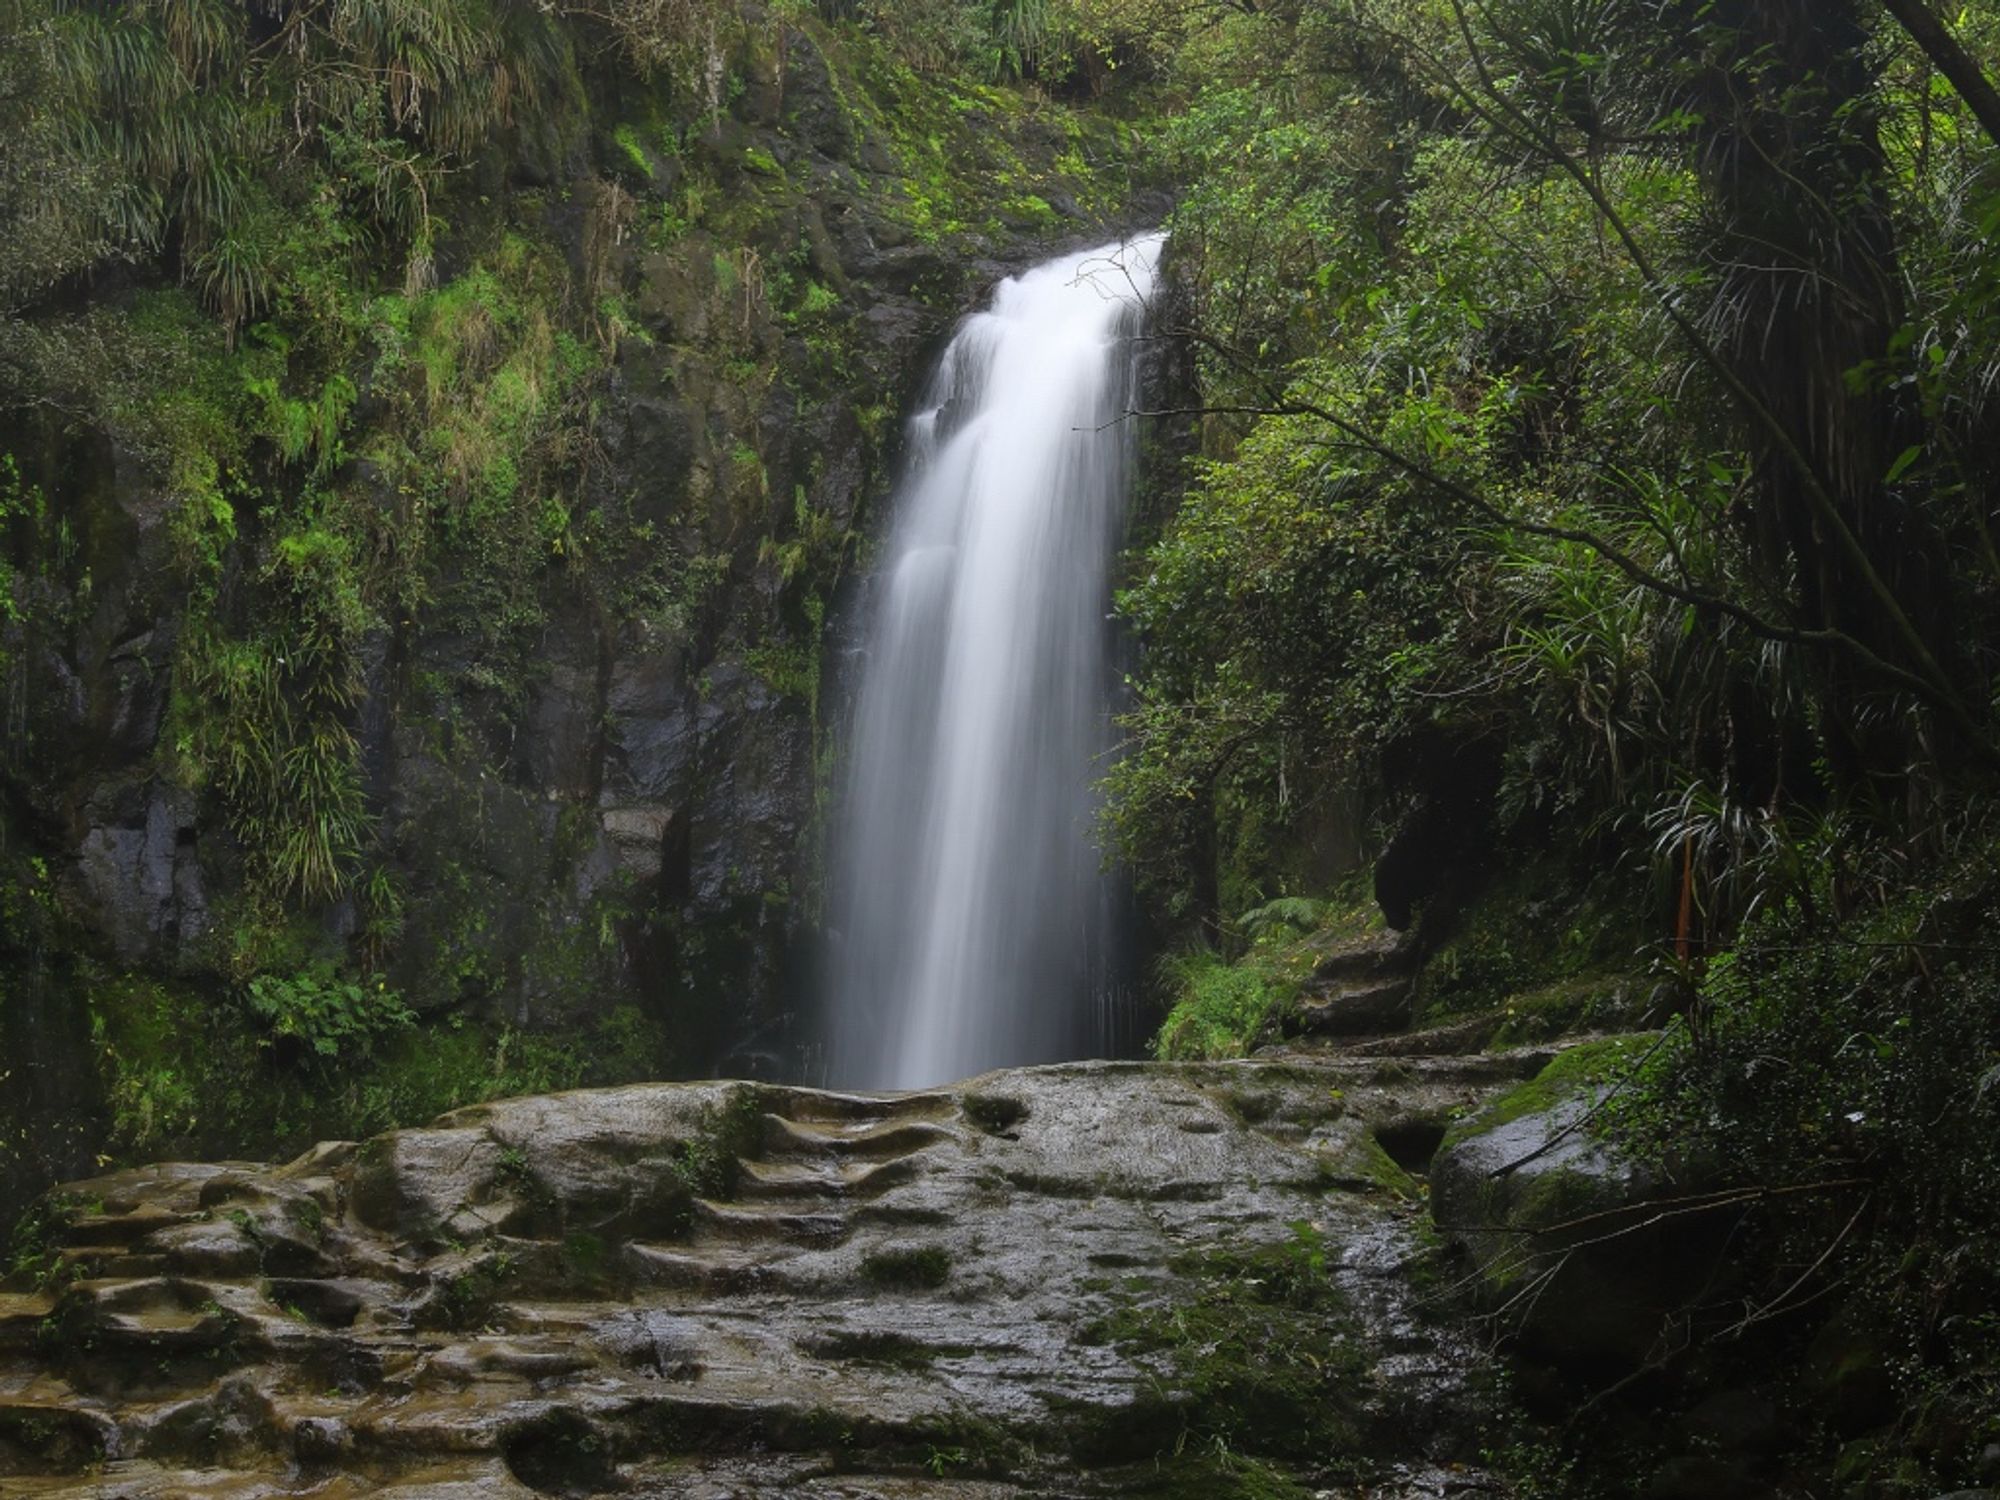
x=970 y=910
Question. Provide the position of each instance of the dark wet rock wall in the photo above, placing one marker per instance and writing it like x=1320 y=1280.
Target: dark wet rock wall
x=591 y=758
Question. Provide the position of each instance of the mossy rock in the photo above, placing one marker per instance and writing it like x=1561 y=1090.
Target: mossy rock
x=1558 y=1218
x=1526 y=938
x=918 y=1269
x=1583 y=1002
x=1592 y=1065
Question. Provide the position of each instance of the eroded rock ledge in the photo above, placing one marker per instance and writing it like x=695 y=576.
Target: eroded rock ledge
x=730 y=1289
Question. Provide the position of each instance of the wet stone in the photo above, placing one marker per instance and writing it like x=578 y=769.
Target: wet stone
x=967 y=1292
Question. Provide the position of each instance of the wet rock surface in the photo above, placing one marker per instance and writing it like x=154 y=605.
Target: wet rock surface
x=1355 y=1011
x=1565 y=1232
x=723 y=1289
x=1359 y=988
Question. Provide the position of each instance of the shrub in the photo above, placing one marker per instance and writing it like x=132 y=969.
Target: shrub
x=1221 y=1007
x=326 y=1015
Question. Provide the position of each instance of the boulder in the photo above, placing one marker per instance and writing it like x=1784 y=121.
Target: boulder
x=1560 y=1222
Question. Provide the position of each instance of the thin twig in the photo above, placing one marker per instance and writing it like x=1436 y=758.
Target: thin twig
x=1772 y=1308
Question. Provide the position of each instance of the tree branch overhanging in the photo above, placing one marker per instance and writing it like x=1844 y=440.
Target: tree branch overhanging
x=1951 y=59
x=1359 y=438
x=1504 y=115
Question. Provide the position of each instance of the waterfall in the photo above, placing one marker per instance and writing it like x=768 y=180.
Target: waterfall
x=971 y=916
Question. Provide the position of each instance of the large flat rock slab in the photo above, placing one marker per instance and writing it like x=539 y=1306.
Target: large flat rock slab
x=736 y=1289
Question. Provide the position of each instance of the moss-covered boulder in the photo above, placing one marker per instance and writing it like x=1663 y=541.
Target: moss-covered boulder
x=1562 y=1225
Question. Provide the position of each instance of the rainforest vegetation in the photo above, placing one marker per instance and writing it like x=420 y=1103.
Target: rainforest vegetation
x=429 y=427
x=1575 y=537
x=1595 y=517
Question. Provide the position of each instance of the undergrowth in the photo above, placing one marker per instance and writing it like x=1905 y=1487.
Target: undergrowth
x=1221 y=1007
x=1847 y=1054
x=184 y=1075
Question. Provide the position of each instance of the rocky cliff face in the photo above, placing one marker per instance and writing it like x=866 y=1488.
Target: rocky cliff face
x=503 y=598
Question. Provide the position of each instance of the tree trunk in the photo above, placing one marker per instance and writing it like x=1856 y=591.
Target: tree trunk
x=1808 y=290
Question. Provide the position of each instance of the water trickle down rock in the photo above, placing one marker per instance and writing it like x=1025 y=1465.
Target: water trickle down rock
x=973 y=914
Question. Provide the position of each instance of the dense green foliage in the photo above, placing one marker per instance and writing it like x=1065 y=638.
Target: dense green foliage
x=1523 y=475
x=318 y=326
x=1597 y=494
x=1852 y=1064
x=313 y=1056
x=1224 y=1008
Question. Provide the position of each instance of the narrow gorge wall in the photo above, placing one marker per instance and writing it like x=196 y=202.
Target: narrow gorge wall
x=535 y=544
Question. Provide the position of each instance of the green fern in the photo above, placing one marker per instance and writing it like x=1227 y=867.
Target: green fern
x=1300 y=913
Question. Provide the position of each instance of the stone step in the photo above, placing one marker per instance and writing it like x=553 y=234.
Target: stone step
x=1349 y=1065
x=713 y=1271
x=488 y=1356
x=173 y=1187
x=49 y=1437
x=441 y=1419
x=90 y=1262
x=871 y=1139
x=740 y=1225
x=1353 y=1009
x=150 y=1294
x=475 y=1478
x=813 y=1105
x=122 y=1229
x=136 y=1263
x=21 y=1317
x=333 y=1302
x=801 y=1181
x=1380 y=955
x=567 y=1321
x=163 y=1332
x=788 y=1182
x=1479 y=1068
x=1458 y=1039
x=731 y=1412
